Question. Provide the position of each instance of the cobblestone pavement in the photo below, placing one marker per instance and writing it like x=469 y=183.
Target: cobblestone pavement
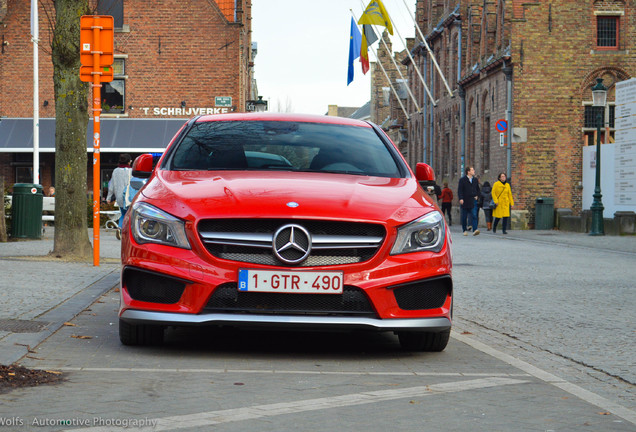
x=220 y=380
x=543 y=340
x=38 y=291
x=565 y=297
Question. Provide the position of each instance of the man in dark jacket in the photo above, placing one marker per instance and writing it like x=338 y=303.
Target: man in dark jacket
x=468 y=194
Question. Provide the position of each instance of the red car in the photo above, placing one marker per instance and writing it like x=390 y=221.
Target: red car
x=285 y=220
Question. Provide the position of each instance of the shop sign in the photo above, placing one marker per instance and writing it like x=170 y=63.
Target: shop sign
x=188 y=112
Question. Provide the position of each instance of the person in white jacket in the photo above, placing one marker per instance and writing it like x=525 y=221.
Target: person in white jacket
x=119 y=185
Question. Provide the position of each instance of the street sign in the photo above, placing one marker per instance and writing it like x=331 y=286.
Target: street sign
x=502 y=140
x=97 y=41
x=105 y=43
x=501 y=125
x=86 y=73
x=223 y=101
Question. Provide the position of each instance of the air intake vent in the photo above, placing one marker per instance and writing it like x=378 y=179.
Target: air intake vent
x=425 y=294
x=228 y=299
x=152 y=287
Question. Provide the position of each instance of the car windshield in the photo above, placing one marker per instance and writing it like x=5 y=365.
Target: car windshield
x=283 y=145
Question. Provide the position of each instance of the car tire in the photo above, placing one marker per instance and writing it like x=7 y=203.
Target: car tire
x=133 y=334
x=424 y=341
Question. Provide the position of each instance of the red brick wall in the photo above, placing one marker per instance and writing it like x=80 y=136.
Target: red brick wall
x=551 y=81
x=176 y=51
x=554 y=63
x=16 y=63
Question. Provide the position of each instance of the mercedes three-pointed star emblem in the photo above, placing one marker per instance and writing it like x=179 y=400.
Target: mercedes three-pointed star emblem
x=291 y=244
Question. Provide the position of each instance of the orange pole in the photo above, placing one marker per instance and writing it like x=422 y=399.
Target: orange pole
x=97 y=109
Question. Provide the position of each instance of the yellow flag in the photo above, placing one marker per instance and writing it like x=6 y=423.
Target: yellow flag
x=376 y=14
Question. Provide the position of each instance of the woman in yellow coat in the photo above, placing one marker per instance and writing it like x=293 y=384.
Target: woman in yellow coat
x=502 y=196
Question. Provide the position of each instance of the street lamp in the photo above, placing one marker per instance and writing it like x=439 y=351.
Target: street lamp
x=260 y=105
x=599 y=97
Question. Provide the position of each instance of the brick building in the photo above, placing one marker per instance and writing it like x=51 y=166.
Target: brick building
x=529 y=62
x=173 y=60
x=386 y=103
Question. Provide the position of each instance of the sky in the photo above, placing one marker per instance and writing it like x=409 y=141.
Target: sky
x=303 y=51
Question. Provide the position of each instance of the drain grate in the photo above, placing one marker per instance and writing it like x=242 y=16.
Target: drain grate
x=22 y=326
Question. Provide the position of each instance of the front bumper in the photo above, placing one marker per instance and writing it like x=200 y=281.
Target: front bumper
x=287 y=321
x=199 y=277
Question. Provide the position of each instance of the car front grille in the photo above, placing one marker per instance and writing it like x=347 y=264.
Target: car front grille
x=252 y=240
x=424 y=294
x=228 y=299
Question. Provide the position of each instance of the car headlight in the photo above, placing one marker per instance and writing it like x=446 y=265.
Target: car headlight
x=151 y=225
x=425 y=233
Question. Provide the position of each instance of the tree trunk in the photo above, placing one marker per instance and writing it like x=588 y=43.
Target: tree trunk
x=71 y=118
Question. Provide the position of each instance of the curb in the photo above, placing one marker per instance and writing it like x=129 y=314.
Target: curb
x=16 y=345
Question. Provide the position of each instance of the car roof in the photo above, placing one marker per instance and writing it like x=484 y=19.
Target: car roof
x=305 y=118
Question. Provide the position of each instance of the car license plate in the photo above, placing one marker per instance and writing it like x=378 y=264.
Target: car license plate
x=292 y=282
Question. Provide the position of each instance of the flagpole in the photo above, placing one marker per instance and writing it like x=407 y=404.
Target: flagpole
x=397 y=97
x=417 y=106
x=408 y=88
x=406 y=48
x=428 y=49
x=408 y=117
x=35 y=32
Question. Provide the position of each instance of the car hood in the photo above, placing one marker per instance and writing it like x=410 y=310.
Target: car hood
x=195 y=195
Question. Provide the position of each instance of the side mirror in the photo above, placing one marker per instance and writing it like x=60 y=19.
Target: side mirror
x=142 y=167
x=423 y=173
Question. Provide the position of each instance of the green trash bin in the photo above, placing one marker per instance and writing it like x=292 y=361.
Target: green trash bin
x=544 y=214
x=26 y=211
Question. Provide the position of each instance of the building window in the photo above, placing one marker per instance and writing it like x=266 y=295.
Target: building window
x=607 y=32
x=486 y=145
x=386 y=96
x=23 y=174
x=589 y=123
x=113 y=93
x=591 y=113
x=115 y=8
x=470 y=154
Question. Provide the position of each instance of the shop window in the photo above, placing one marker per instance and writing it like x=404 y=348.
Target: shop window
x=607 y=32
x=114 y=8
x=113 y=93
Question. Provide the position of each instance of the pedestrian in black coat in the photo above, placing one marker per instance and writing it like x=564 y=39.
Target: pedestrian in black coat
x=468 y=193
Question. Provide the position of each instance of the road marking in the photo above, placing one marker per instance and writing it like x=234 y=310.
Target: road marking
x=211 y=418
x=556 y=381
x=279 y=372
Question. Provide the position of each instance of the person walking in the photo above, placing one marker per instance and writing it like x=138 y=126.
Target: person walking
x=486 y=194
x=118 y=186
x=502 y=197
x=468 y=194
x=447 y=203
x=478 y=203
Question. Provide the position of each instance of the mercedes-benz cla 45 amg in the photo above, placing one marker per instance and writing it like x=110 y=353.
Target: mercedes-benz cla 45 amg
x=301 y=222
